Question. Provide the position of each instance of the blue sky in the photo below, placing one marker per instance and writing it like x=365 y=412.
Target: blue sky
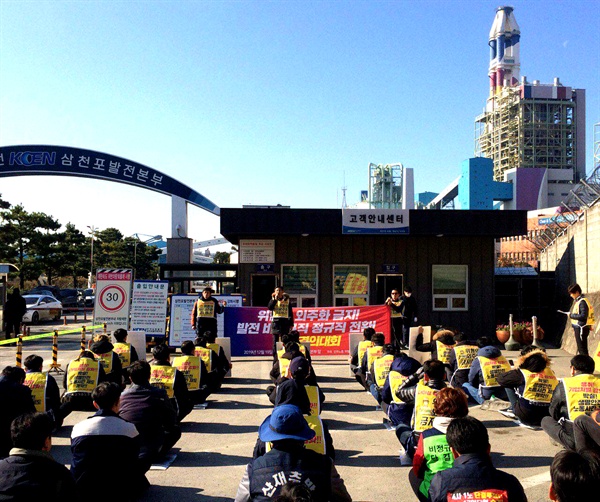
x=263 y=102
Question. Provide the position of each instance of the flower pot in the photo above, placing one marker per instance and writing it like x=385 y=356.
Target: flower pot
x=503 y=335
x=518 y=336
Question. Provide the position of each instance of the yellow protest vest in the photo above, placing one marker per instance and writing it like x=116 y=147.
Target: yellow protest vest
x=36 y=381
x=443 y=351
x=394 y=313
x=164 y=378
x=302 y=349
x=313 y=396
x=191 y=369
x=284 y=364
x=396 y=380
x=106 y=361
x=491 y=368
x=82 y=375
x=423 y=413
x=539 y=386
x=381 y=368
x=596 y=357
x=214 y=347
x=363 y=345
x=583 y=394
x=204 y=354
x=465 y=355
x=318 y=442
x=281 y=309
x=590 y=321
x=205 y=309
x=123 y=350
x=373 y=353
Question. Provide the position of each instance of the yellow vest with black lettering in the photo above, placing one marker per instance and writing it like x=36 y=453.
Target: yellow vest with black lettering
x=381 y=368
x=106 y=360
x=373 y=353
x=363 y=345
x=394 y=312
x=491 y=368
x=312 y=391
x=396 y=380
x=164 y=378
x=191 y=369
x=465 y=355
x=583 y=394
x=37 y=382
x=123 y=350
x=318 y=442
x=539 y=387
x=82 y=375
x=284 y=364
x=443 y=351
x=281 y=309
x=590 y=321
x=205 y=308
x=423 y=414
x=205 y=354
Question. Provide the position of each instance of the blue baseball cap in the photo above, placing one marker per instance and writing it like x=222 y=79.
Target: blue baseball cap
x=286 y=422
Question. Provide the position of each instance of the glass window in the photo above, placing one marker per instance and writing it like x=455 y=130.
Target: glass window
x=350 y=285
x=301 y=283
x=450 y=287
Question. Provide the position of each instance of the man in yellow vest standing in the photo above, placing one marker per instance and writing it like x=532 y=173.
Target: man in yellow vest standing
x=573 y=396
x=204 y=312
x=283 y=317
x=582 y=318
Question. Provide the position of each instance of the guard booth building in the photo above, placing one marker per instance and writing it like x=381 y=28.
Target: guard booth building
x=447 y=258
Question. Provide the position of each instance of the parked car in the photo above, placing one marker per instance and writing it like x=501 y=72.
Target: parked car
x=89 y=296
x=70 y=298
x=41 y=307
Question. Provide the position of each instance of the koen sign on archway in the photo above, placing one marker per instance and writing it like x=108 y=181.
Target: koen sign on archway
x=113 y=294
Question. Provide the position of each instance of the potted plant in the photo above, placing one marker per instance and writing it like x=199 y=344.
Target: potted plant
x=502 y=332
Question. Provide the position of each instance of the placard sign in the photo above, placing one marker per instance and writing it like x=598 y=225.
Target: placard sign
x=149 y=307
x=375 y=221
x=113 y=293
x=180 y=326
x=257 y=251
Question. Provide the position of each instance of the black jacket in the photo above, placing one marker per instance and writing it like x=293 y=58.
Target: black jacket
x=15 y=399
x=473 y=473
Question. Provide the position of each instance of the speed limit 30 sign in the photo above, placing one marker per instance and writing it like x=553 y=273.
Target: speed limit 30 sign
x=112 y=298
x=113 y=294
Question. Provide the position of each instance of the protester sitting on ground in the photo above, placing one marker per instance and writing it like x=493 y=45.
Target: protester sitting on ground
x=420 y=390
x=586 y=429
x=103 y=350
x=209 y=358
x=163 y=375
x=30 y=473
x=461 y=358
x=292 y=390
x=433 y=452
x=294 y=336
x=292 y=492
x=529 y=387
x=575 y=476
x=82 y=376
x=472 y=470
x=126 y=351
x=371 y=354
x=222 y=364
x=150 y=410
x=103 y=441
x=310 y=379
x=194 y=371
x=291 y=349
x=440 y=346
x=288 y=460
x=379 y=370
x=397 y=411
x=15 y=399
x=44 y=389
x=483 y=375
x=568 y=402
x=358 y=353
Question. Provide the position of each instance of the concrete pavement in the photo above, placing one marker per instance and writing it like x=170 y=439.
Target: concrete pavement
x=217 y=442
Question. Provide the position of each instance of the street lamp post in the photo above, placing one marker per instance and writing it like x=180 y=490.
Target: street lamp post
x=92 y=233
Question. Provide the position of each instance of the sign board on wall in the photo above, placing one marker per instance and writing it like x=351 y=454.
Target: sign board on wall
x=149 y=307
x=257 y=251
x=180 y=327
x=375 y=221
x=113 y=294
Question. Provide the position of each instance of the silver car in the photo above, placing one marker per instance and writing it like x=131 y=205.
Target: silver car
x=41 y=307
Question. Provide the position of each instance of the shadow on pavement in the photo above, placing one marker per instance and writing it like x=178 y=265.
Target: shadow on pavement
x=340 y=425
x=237 y=405
x=179 y=493
x=240 y=390
x=209 y=459
x=339 y=406
x=333 y=390
x=501 y=461
x=246 y=381
x=328 y=379
x=216 y=428
x=349 y=458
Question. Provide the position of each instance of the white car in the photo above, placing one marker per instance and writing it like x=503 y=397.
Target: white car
x=41 y=307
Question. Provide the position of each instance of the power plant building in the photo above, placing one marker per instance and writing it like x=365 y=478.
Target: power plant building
x=533 y=132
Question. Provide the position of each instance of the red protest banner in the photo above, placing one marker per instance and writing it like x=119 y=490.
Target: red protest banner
x=327 y=328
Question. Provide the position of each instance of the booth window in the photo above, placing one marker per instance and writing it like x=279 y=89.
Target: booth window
x=450 y=287
x=350 y=285
x=301 y=283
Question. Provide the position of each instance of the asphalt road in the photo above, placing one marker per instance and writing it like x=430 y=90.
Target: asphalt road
x=217 y=442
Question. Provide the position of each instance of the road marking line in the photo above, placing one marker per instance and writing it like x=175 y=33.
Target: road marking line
x=536 y=480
